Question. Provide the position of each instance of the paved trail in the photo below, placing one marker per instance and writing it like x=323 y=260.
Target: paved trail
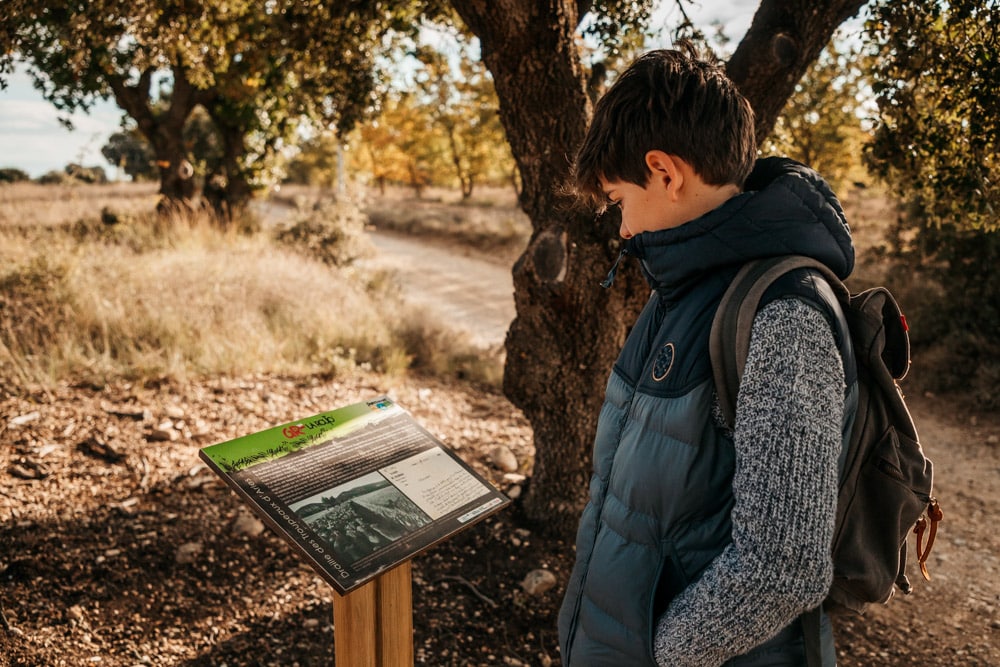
x=463 y=291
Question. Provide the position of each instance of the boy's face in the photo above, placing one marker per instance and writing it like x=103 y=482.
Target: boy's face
x=644 y=208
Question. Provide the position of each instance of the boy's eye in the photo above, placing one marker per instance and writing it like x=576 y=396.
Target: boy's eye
x=611 y=203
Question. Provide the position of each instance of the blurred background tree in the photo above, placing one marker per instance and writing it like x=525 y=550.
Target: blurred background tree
x=129 y=151
x=437 y=123
x=258 y=70
x=823 y=124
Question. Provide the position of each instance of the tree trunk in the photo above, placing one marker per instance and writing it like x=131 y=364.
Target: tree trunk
x=465 y=177
x=568 y=331
x=177 y=187
x=228 y=188
x=164 y=132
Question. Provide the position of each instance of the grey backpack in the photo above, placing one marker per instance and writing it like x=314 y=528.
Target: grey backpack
x=886 y=481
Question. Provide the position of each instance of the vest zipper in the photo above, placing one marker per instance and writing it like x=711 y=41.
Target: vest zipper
x=610 y=280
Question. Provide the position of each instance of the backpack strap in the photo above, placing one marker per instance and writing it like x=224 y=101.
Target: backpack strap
x=729 y=340
x=729 y=344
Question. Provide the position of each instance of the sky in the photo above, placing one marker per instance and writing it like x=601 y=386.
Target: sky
x=32 y=139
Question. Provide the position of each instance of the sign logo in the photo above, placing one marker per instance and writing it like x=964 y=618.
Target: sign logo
x=663 y=363
x=292 y=432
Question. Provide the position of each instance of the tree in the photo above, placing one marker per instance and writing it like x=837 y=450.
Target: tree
x=566 y=334
x=439 y=123
x=938 y=135
x=463 y=107
x=380 y=144
x=129 y=151
x=256 y=68
x=402 y=145
x=317 y=162
x=13 y=175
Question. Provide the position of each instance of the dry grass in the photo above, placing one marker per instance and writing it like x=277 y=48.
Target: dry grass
x=32 y=205
x=148 y=299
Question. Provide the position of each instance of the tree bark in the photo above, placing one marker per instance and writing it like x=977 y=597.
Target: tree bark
x=568 y=331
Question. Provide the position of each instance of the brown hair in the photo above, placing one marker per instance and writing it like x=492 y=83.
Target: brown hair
x=673 y=101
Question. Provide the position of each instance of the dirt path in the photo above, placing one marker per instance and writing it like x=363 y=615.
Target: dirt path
x=954 y=619
x=472 y=294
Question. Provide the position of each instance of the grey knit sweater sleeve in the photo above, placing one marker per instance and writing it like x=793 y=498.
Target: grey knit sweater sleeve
x=787 y=439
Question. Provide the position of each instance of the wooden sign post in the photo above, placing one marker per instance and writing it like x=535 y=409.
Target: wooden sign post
x=373 y=624
x=358 y=492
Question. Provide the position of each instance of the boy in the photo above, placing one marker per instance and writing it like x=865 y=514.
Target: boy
x=701 y=546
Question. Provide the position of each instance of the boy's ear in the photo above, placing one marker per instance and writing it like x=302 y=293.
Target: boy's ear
x=667 y=170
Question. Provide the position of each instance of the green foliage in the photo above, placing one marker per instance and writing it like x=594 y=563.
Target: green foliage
x=937 y=67
x=820 y=125
x=937 y=72
x=259 y=69
x=620 y=25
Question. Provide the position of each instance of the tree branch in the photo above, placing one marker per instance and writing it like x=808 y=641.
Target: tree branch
x=785 y=38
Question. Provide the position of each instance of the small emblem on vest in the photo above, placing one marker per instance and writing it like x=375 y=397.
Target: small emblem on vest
x=664 y=362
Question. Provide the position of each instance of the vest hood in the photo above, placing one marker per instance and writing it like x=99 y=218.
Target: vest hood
x=785 y=208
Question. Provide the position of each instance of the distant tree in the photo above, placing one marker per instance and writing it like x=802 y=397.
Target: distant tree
x=402 y=144
x=317 y=161
x=376 y=145
x=131 y=153
x=257 y=69
x=91 y=175
x=13 y=175
x=458 y=95
x=54 y=177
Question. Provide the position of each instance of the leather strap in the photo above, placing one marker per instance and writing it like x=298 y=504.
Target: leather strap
x=935 y=515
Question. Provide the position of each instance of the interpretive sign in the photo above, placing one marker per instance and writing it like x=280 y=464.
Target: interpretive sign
x=357 y=490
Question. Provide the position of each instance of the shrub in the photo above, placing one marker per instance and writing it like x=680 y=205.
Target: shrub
x=331 y=230
x=90 y=175
x=953 y=297
x=13 y=175
x=55 y=177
